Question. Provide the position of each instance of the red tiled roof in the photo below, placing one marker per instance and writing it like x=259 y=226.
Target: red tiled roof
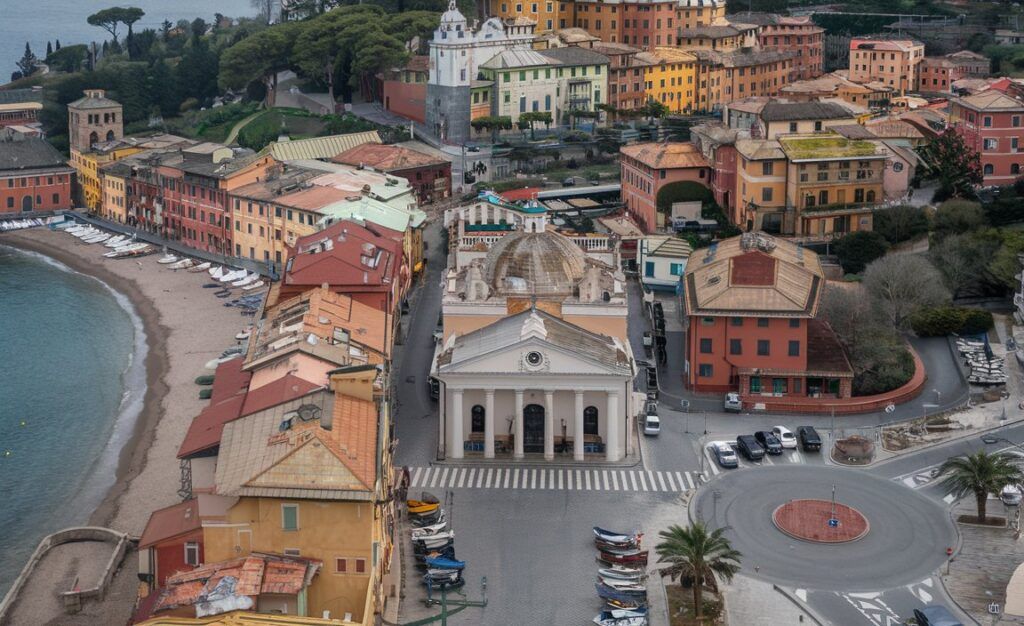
x=674 y=155
x=229 y=388
x=171 y=522
x=342 y=264
x=755 y=268
x=824 y=352
x=387 y=158
x=517 y=195
x=286 y=388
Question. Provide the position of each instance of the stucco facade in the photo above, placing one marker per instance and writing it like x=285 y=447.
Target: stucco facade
x=991 y=124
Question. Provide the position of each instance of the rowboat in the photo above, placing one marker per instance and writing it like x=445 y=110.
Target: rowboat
x=249 y=278
x=182 y=264
x=618 y=572
x=167 y=259
x=437 y=540
x=97 y=238
x=251 y=286
x=202 y=267
x=114 y=241
x=217 y=272
x=626 y=604
x=625 y=586
x=229 y=277
x=416 y=507
x=611 y=537
x=634 y=557
x=622 y=617
x=429 y=530
x=445 y=563
x=609 y=593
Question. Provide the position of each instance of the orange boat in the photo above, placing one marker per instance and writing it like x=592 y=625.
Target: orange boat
x=418 y=507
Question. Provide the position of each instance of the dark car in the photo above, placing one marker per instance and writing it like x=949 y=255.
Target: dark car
x=569 y=182
x=659 y=310
x=935 y=615
x=769 y=441
x=652 y=378
x=809 y=439
x=748 y=447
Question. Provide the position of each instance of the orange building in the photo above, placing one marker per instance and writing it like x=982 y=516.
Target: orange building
x=727 y=76
x=760 y=185
x=799 y=35
x=647 y=168
x=547 y=14
x=693 y=13
x=626 y=67
x=893 y=62
x=750 y=304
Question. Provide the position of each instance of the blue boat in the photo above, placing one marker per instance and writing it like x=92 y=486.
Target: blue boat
x=609 y=593
x=445 y=563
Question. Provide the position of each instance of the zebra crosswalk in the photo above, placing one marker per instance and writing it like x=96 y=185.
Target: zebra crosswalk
x=565 y=479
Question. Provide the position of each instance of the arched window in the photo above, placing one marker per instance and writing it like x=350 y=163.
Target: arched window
x=590 y=420
x=988 y=169
x=93 y=138
x=477 y=420
x=870 y=195
x=110 y=135
x=1014 y=168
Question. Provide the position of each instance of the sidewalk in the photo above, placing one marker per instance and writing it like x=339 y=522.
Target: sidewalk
x=751 y=601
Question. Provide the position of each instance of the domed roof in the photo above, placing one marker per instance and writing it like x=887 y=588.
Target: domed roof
x=544 y=263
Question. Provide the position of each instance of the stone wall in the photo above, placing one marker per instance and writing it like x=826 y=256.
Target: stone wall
x=448 y=107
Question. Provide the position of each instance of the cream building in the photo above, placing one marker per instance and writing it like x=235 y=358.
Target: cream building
x=535 y=353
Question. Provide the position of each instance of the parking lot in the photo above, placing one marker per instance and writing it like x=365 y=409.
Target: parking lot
x=788 y=456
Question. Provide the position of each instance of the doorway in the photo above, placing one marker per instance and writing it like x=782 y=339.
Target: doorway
x=533 y=428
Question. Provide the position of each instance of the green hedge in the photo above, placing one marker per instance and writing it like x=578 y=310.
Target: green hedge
x=947 y=320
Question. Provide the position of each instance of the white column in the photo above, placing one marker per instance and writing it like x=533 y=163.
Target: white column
x=611 y=427
x=577 y=429
x=458 y=443
x=489 y=424
x=549 y=424
x=518 y=450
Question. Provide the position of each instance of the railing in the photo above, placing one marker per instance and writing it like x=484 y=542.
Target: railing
x=588 y=244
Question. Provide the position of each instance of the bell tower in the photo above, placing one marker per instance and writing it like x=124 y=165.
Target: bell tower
x=94 y=119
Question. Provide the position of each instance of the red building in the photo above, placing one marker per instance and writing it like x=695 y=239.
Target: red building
x=718 y=144
x=172 y=541
x=992 y=123
x=625 y=74
x=799 y=35
x=647 y=168
x=938 y=74
x=363 y=261
x=648 y=24
x=33 y=175
x=405 y=90
x=430 y=176
x=750 y=304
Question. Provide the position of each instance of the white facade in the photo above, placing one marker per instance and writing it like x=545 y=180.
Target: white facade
x=456 y=52
x=661 y=261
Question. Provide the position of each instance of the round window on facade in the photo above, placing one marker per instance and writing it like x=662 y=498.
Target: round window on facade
x=534 y=359
x=897 y=167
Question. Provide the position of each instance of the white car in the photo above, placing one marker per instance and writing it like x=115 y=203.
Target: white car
x=785 y=436
x=652 y=425
x=1011 y=495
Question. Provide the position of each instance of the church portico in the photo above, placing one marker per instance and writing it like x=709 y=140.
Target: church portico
x=556 y=419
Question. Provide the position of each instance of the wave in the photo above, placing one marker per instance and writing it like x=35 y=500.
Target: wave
x=102 y=473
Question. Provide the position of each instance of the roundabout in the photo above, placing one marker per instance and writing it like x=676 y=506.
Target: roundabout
x=885 y=535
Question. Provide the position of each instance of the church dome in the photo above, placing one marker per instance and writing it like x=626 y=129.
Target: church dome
x=544 y=263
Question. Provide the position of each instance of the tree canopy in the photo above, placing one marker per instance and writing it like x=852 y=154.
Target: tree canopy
x=955 y=165
x=109 y=19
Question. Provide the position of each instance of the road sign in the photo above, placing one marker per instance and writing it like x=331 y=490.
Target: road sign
x=993 y=608
x=833 y=523
x=685 y=405
x=889 y=408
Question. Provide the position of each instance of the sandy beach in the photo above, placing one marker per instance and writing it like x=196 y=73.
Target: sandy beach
x=186 y=326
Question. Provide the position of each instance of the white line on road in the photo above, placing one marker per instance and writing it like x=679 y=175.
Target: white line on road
x=661 y=480
x=643 y=482
x=650 y=475
x=451 y=482
x=487 y=483
x=533 y=479
x=472 y=475
x=480 y=478
x=508 y=476
x=672 y=482
x=622 y=475
x=515 y=478
x=560 y=477
x=462 y=478
x=689 y=481
x=416 y=476
x=586 y=475
x=604 y=478
x=615 y=481
x=632 y=480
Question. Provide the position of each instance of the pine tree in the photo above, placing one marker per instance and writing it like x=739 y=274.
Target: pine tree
x=49 y=49
x=27 y=63
x=57 y=47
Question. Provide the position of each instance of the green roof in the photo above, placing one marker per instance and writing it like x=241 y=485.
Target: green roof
x=830 y=147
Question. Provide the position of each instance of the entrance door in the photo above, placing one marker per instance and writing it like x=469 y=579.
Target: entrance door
x=533 y=428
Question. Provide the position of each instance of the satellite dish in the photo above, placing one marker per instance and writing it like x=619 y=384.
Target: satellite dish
x=308 y=412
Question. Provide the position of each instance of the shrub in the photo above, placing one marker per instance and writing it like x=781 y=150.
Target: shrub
x=890 y=372
x=188 y=105
x=946 y=320
x=957 y=216
x=900 y=223
x=856 y=250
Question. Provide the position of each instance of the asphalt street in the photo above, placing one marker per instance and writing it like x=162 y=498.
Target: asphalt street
x=526 y=527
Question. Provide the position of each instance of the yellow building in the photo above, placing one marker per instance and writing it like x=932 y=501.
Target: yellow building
x=88 y=165
x=244 y=618
x=314 y=483
x=672 y=80
x=832 y=183
x=694 y=13
x=114 y=201
x=760 y=185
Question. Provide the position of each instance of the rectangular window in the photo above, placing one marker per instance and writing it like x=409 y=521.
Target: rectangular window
x=755 y=384
x=289 y=517
x=766 y=194
x=649 y=269
x=705 y=370
x=794 y=348
x=707 y=321
x=360 y=566
x=675 y=269
x=735 y=346
x=340 y=565
x=1015 y=121
x=991 y=144
x=191 y=553
x=794 y=323
x=762 y=322
x=736 y=321
x=763 y=347
x=780 y=385
x=767 y=168
x=986 y=121
x=705 y=346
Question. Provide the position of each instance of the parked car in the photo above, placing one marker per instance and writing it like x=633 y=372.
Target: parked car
x=652 y=378
x=768 y=441
x=434 y=386
x=1011 y=495
x=809 y=439
x=724 y=454
x=732 y=402
x=659 y=310
x=935 y=615
x=652 y=425
x=569 y=182
x=785 y=436
x=748 y=447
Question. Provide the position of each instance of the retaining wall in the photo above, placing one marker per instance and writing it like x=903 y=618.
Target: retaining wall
x=72 y=600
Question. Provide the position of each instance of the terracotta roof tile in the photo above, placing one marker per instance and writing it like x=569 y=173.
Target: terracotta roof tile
x=170 y=522
x=286 y=388
x=387 y=158
x=310 y=264
x=229 y=386
x=666 y=155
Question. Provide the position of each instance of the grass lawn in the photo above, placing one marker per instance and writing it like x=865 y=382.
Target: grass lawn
x=680 y=607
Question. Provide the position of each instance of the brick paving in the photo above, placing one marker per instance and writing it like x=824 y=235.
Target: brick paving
x=809 y=520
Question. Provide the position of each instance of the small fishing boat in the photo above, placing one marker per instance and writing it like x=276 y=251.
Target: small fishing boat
x=631 y=604
x=115 y=241
x=251 y=286
x=426 y=519
x=442 y=575
x=202 y=267
x=441 y=553
x=625 y=586
x=124 y=251
x=625 y=557
x=167 y=259
x=245 y=280
x=86 y=232
x=612 y=537
x=217 y=272
x=619 y=572
x=429 y=530
x=242 y=336
x=183 y=264
x=98 y=238
x=231 y=277
x=416 y=507
x=435 y=540
x=622 y=617
x=445 y=563
x=606 y=592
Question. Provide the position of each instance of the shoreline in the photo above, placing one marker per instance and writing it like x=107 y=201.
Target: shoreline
x=133 y=454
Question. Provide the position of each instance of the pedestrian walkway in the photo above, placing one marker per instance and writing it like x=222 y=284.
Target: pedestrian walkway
x=553 y=479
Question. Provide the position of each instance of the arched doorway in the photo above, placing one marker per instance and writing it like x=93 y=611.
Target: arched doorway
x=533 y=428
x=93 y=138
x=26 y=203
x=110 y=135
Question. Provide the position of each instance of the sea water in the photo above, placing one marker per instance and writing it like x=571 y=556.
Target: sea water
x=49 y=20
x=72 y=381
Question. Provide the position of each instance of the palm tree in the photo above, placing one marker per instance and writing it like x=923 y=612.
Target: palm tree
x=981 y=474
x=697 y=554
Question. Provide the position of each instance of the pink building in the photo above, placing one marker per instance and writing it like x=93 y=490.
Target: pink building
x=405 y=90
x=892 y=62
x=991 y=123
x=647 y=168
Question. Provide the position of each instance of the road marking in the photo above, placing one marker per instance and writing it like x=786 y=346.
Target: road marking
x=615 y=481
x=508 y=476
x=690 y=481
x=766 y=459
x=682 y=482
x=578 y=486
x=561 y=479
x=533 y=479
x=451 y=482
x=671 y=481
x=604 y=479
x=515 y=479
x=794 y=456
x=949 y=499
x=472 y=475
x=586 y=475
x=632 y=479
x=643 y=483
x=714 y=467
x=487 y=483
x=462 y=478
x=622 y=475
x=433 y=479
x=661 y=480
x=416 y=476
x=561 y=473
x=480 y=478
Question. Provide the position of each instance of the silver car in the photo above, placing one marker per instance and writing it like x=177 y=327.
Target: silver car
x=732 y=402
